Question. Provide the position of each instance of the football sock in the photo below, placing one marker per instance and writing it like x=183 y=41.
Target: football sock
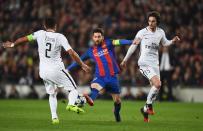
x=152 y=95
x=94 y=93
x=117 y=107
x=72 y=97
x=147 y=106
x=53 y=105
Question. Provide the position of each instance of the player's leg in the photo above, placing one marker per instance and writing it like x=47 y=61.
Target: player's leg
x=153 y=93
x=96 y=87
x=51 y=90
x=65 y=80
x=71 y=104
x=117 y=106
x=114 y=88
x=53 y=108
x=153 y=75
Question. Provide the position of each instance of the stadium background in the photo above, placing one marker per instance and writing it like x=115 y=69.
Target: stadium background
x=119 y=18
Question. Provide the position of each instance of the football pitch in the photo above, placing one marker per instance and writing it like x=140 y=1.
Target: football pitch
x=34 y=115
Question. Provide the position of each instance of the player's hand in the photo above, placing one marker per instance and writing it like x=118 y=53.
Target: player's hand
x=123 y=64
x=175 y=39
x=86 y=68
x=8 y=44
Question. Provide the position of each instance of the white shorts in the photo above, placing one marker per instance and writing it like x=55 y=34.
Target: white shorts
x=57 y=78
x=149 y=71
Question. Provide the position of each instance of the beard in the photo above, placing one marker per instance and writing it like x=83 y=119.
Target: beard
x=98 y=42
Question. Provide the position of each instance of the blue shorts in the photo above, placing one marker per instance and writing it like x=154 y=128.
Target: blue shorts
x=109 y=83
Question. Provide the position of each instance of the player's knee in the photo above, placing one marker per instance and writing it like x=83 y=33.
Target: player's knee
x=157 y=84
x=96 y=86
x=53 y=94
x=117 y=100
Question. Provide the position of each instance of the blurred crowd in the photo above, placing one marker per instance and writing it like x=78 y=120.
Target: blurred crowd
x=119 y=19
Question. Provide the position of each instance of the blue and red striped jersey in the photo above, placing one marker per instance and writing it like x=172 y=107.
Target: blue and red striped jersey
x=104 y=57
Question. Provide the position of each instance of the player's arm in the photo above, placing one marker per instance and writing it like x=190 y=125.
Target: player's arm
x=76 y=58
x=9 y=44
x=166 y=42
x=130 y=51
x=65 y=44
x=119 y=42
x=84 y=57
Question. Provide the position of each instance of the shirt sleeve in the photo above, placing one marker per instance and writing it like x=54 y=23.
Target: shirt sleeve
x=139 y=35
x=33 y=36
x=118 y=42
x=64 y=42
x=164 y=40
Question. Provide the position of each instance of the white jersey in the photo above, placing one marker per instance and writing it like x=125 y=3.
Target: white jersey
x=49 y=48
x=149 y=46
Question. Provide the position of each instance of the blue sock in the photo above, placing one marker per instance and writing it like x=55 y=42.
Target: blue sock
x=94 y=93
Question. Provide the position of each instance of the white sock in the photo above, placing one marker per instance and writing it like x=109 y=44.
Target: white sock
x=152 y=95
x=72 y=97
x=53 y=105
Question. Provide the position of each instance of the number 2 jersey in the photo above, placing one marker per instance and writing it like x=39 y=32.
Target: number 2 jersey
x=49 y=48
x=149 y=46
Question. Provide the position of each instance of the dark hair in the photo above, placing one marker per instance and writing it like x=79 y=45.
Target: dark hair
x=154 y=14
x=49 y=22
x=98 y=30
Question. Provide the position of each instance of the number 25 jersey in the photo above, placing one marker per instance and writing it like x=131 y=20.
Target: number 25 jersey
x=149 y=46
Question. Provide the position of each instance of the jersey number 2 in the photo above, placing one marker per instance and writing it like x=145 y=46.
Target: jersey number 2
x=49 y=49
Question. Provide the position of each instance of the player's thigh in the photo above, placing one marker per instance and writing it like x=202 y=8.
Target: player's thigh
x=65 y=80
x=50 y=87
x=149 y=71
x=113 y=86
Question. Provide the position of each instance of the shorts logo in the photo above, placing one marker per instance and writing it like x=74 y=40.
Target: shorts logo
x=95 y=79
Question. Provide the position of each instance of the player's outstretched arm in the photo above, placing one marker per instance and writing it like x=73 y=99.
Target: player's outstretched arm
x=121 y=42
x=131 y=50
x=9 y=44
x=166 y=42
x=75 y=64
x=76 y=58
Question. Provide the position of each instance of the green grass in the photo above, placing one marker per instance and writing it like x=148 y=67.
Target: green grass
x=34 y=115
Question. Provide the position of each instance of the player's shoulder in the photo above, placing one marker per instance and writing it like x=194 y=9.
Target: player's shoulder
x=143 y=30
x=107 y=40
x=61 y=36
x=160 y=30
x=39 y=31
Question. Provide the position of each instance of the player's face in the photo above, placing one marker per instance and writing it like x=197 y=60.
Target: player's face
x=97 y=38
x=152 y=22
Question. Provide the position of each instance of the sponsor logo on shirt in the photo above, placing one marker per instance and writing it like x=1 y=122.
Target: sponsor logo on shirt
x=101 y=53
x=153 y=46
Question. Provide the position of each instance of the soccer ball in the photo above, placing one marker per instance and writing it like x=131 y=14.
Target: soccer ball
x=81 y=100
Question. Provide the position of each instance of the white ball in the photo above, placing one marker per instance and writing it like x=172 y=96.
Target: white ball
x=81 y=100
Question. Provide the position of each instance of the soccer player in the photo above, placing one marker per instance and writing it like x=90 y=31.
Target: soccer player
x=105 y=77
x=149 y=39
x=51 y=67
